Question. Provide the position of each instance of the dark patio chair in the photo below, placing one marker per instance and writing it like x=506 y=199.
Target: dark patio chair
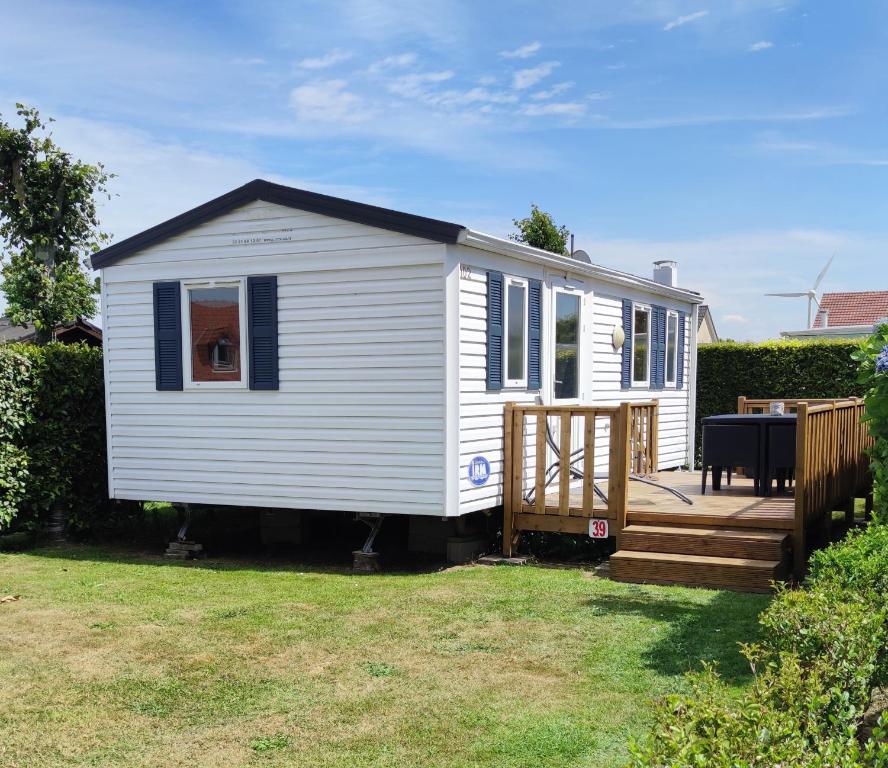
x=730 y=445
x=781 y=456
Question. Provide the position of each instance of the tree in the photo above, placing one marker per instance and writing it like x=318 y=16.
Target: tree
x=540 y=231
x=48 y=226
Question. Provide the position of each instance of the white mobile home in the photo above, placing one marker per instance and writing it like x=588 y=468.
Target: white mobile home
x=279 y=348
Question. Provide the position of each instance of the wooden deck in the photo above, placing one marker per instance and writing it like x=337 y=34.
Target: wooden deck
x=728 y=538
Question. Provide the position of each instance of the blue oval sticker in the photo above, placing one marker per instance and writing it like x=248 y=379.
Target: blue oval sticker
x=479 y=470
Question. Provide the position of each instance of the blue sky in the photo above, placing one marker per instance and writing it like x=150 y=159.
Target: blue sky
x=746 y=140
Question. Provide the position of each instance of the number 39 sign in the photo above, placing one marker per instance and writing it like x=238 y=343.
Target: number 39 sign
x=598 y=529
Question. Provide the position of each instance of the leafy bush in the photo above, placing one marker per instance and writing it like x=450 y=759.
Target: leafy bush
x=859 y=564
x=708 y=727
x=873 y=360
x=773 y=369
x=52 y=432
x=822 y=651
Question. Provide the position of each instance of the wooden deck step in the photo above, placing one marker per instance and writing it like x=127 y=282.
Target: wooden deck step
x=748 y=518
x=714 y=542
x=737 y=573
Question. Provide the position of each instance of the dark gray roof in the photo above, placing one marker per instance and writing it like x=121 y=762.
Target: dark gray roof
x=10 y=332
x=259 y=189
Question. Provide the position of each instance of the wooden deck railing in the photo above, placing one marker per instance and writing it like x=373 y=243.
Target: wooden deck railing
x=832 y=465
x=550 y=459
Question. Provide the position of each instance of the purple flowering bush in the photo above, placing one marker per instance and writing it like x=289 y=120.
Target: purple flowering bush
x=873 y=360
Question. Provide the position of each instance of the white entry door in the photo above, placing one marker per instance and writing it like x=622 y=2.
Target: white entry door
x=565 y=349
x=565 y=342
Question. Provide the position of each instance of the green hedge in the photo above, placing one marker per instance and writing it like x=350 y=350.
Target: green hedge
x=773 y=369
x=823 y=650
x=873 y=359
x=52 y=434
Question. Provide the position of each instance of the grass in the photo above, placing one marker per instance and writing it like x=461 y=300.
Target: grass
x=111 y=658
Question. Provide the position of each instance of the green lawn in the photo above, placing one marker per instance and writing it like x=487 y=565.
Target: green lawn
x=111 y=658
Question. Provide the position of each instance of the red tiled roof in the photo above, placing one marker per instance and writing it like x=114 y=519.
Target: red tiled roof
x=853 y=308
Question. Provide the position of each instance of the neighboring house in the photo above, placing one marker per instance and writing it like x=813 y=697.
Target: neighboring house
x=67 y=333
x=706 y=333
x=279 y=348
x=846 y=315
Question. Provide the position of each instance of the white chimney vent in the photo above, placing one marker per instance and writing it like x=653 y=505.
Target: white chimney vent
x=824 y=318
x=666 y=273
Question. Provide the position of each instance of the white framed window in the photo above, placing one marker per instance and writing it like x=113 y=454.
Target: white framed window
x=214 y=330
x=672 y=361
x=566 y=348
x=515 y=335
x=641 y=345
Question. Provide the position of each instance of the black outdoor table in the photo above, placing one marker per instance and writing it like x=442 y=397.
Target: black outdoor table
x=761 y=423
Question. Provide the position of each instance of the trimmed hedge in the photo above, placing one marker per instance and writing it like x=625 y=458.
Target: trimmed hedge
x=823 y=650
x=773 y=369
x=873 y=359
x=52 y=434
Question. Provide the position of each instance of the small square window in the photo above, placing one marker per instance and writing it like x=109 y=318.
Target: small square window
x=215 y=343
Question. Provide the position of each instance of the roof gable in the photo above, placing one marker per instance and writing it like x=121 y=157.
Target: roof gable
x=259 y=189
x=853 y=308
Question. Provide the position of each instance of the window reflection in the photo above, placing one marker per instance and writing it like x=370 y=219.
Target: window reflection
x=215 y=333
x=567 y=334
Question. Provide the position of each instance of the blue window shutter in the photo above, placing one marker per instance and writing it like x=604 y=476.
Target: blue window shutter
x=262 y=322
x=680 y=345
x=658 y=347
x=626 y=369
x=534 y=334
x=167 y=336
x=495 y=330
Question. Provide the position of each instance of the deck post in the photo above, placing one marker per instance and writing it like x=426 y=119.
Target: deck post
x=618 y=474
x=798 y=536
x=741 y=404
x=654 y=438
x=508 y=458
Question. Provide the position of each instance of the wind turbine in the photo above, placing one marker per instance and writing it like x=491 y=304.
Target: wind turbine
x=811 y=294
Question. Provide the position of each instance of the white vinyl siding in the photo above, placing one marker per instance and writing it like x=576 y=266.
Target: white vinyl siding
x=481 y=412
x=358 y=421
x=607 y=366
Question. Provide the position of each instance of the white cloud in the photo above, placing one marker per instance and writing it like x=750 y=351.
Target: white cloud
x=761 y=45
x=690 y=121
x=326 y=61
x=555 y=108
x=398 y=61
x=819 y=153
x=616 y=67
x=682 y=20
x=524 y=52
x=550 y=93
x=736 y=319
x=414 y=84
x=328 y=101
x=526 y=78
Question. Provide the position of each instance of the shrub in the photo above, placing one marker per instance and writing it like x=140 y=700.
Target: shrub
x=53 y=433
x=873 y=360
x=773 y=369
x=822 y=651
x=858 y=564
x=708 y=727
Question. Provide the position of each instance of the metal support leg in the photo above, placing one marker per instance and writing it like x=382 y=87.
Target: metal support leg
x=182 y=535
x=375 y=524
